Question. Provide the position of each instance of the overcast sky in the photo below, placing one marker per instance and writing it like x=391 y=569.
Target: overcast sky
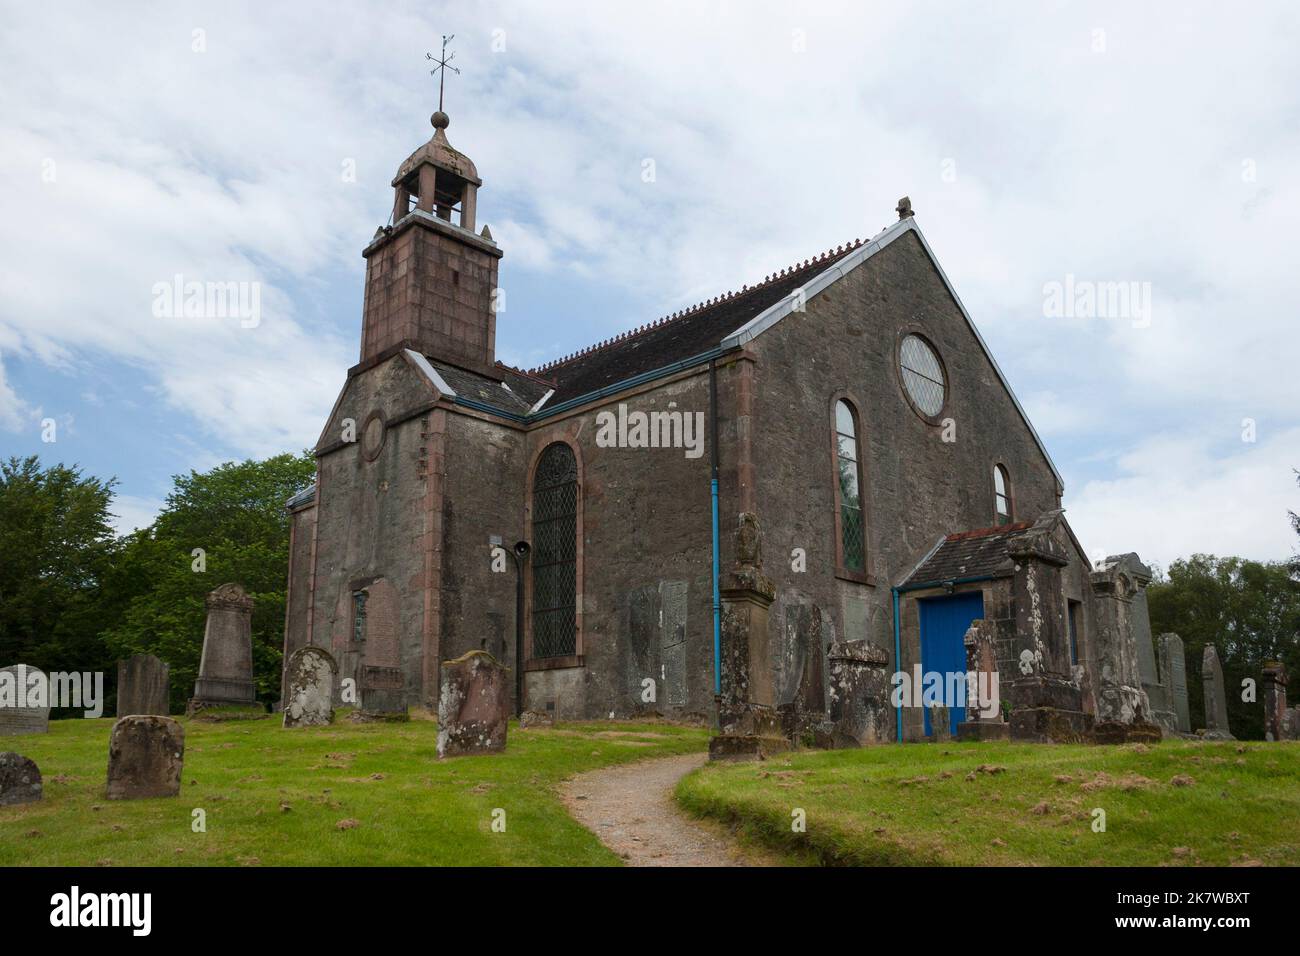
x=1154 y=143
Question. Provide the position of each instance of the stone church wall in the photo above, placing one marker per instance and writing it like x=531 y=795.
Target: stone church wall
x=482 y=494
x=646 y=604
x=373 y=502
x=917 y=486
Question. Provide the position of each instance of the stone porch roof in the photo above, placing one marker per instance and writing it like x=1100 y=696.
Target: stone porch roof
x=968 y=554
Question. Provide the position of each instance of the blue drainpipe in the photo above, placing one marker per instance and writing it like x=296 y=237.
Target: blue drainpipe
x=713 y=490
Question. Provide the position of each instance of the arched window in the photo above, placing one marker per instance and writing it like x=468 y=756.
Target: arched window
x=1001 y=495
x=555 y=553
x=848 y=490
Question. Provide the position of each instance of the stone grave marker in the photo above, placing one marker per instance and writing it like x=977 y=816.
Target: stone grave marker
x=226 y=667
x=473 y=705
x=143 y=686
x=24 y=700
x=1216 y=701
x=1174 y=673
x=20 y=780
x=309 y=688
x=145 y=756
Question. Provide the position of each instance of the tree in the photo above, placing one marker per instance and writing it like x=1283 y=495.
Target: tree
x=1250 y=612
x=234 y=518
x=56 y=552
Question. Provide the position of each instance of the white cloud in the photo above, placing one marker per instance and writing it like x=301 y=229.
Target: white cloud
x=130 y=513
x=14 y=412
x=1174 y=496
x=1138 y=163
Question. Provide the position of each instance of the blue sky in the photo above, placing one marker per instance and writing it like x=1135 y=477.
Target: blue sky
x=1156 y=146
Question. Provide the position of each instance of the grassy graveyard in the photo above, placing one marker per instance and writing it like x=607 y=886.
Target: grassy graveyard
x=1178 y=803
x=376 y=794
x=348 y=794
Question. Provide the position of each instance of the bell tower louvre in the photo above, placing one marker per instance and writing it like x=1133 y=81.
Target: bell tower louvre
x=430 y=280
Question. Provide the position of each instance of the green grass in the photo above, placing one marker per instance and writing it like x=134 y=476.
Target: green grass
x=409 y=807
x=913 y=804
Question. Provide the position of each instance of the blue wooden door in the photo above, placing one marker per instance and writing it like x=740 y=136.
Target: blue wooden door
x=944 y=622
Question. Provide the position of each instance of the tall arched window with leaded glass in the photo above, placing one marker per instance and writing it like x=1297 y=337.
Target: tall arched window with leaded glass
x=848 y=492
x=555 y=553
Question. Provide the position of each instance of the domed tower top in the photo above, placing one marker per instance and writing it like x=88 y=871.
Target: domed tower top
x=431 y=281
x=439 y=179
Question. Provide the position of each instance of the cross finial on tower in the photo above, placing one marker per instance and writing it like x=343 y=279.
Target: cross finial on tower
x=442 y=65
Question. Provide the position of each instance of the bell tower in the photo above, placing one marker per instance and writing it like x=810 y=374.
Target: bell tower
x=430 y=279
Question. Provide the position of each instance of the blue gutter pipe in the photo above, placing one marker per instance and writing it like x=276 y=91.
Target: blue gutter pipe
x=710 y=356
x=898 y=657
x=713 y=490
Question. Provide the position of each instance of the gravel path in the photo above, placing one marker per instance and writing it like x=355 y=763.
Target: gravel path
x=631 y=809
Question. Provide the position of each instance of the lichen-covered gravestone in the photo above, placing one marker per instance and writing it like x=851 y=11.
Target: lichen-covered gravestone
x=1174 y=673
x=226 y=667
x=20 y=780
x=24 y=700
x=309 y=688
x=473 y=705
x=143 y=686
x=1216 y=701
x=145 y=757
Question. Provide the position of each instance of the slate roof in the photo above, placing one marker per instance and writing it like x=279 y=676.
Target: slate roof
x=969 y=554
x=522 y=394
x=304 y=497
x=679 y=336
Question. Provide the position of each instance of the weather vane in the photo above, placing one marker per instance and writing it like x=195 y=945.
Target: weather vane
x=443 y=65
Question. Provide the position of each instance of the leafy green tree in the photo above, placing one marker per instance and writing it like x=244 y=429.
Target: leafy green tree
x=1250 y=612
x=56 y=552
x=234 y=518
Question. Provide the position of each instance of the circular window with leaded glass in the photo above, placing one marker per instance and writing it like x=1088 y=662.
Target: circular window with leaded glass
x=923 y=376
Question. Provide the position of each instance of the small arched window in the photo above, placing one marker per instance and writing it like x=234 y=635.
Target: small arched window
x=555 y=553
x=1001 y=495
x=848 y=490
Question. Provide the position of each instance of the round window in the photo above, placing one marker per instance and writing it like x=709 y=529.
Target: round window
x=372 y=436
x=922 y=375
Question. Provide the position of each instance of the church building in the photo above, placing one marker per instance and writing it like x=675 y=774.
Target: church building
x=754 y=512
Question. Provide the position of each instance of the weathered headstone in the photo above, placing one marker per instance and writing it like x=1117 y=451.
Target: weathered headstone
x=859 y=694
x=1122 y=638
x=473 y=705
x=1274 y=696
x=226 y=667
x=143 y=686
x=940 y=724
x=24 y=700
x=1216 y=701
x=1173 y=673
x=20 y=780
x=982 y=665
x=309 y=688
x=145 y=756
